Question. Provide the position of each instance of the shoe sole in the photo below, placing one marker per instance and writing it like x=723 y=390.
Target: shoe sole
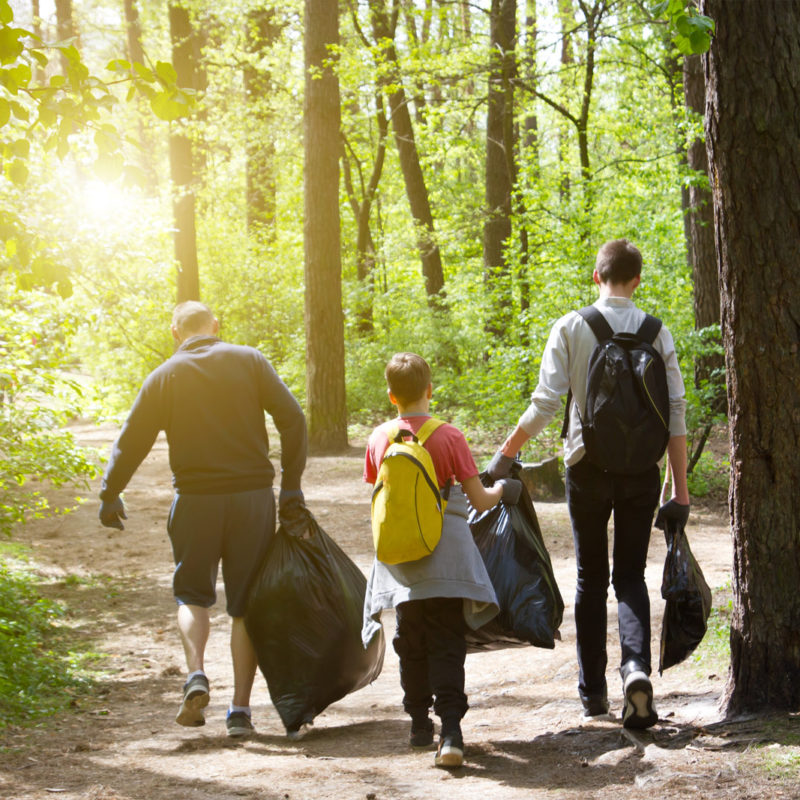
x=639 y=711
x=240 y=733
x=449 y=758
x=191 y=710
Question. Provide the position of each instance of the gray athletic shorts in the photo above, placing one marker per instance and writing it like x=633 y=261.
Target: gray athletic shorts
x=208 y=528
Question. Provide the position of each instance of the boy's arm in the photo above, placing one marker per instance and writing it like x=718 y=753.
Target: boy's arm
x=482 y=499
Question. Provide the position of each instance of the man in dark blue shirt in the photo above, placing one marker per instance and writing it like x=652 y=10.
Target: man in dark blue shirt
x=210 y=398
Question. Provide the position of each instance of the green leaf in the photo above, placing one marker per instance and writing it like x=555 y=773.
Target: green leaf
x=5 y=111
x=119 y=65
x=21 y=148
x=165 y=106
x=167 y=73
x=10 y=44
x=40 y=57
x=19 y=111
x=17 y=172
x=143 y=72
x=6 y=13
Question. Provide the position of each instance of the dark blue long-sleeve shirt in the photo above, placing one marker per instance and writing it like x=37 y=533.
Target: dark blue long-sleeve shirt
x=210 y=398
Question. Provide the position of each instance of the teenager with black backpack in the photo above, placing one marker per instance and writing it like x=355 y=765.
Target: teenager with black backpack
x=625 y=408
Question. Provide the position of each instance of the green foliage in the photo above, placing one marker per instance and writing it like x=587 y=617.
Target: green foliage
x=713 y=654
x=37 y=396
x=693 y=31
x=39 y=674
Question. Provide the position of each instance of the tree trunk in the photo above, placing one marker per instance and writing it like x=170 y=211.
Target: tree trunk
x=144 y=157
x=700 y=240
x=362 y=211
x=753 y=141
x=182 y=168
x=65 y=28
x=325 y=386
x=416 y=190
x=500 y=164
x=261 y=33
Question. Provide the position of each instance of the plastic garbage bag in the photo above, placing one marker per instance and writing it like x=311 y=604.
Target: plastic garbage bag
x=304 y=617
x=688 y=599
x=531 y=607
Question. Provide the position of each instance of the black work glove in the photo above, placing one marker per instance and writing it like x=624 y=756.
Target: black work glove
x=292 y=513
x=112 y=512
x=512 y=488
x=672 y=511
x=500 y=466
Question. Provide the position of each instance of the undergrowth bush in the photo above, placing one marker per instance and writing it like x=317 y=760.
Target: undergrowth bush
x=39 y=673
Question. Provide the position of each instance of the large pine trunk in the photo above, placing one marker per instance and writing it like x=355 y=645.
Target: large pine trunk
x=753 y=140
x=324 y=324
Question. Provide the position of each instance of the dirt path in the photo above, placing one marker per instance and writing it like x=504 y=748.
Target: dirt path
x=524 y=733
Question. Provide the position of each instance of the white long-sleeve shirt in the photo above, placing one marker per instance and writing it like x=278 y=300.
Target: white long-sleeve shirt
x=565 y=364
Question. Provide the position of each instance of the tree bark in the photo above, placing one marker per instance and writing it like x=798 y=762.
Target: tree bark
x=700 y=237
x=362 y=211
x=753 y=141
x=324 y=325
x=181 y=162
x=500 y=164
x=65 y=28
x=261 y=33
x=416 y=189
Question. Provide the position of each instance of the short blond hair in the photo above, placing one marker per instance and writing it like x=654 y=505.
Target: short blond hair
x=192 y=317
x=408 y=377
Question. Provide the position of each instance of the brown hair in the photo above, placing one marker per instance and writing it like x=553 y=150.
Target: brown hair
x=618 y=261
x=408 y=376
x=191 y=318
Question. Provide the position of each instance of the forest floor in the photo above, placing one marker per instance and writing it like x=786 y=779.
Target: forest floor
x=524 y=734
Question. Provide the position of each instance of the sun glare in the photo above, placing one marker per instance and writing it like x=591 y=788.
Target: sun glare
x=104 y=201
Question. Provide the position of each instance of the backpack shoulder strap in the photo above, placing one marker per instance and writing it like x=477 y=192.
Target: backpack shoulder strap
x=649 y=329
x=597 y=322
x=428 y=427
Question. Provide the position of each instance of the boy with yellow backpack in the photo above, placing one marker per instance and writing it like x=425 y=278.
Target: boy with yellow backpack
x=427 y=566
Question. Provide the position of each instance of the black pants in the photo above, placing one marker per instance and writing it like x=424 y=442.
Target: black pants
x=592 y=495
x=429 y=640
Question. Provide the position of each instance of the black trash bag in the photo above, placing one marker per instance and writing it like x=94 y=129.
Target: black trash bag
x=531 y=608
x=304 y=616
x=688 y=599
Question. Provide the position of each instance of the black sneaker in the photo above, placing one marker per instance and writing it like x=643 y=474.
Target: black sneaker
x=296 y=734
x=637 y=711
x=195 y=699
x=596 y=708
x=421 y=733
x=239 y=724
x=450 y=753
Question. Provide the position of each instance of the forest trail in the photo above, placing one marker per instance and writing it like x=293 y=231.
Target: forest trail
x=524 y=734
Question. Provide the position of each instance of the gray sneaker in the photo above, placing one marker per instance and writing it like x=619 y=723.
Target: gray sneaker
x=195 y=699
x=239 y=724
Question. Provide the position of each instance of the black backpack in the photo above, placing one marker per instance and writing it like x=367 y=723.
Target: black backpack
x=625 y=424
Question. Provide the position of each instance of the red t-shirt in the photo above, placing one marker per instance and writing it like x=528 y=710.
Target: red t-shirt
x=448 y=448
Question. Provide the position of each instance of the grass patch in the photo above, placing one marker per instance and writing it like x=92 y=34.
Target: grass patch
x=40 y=672
x=713 y=654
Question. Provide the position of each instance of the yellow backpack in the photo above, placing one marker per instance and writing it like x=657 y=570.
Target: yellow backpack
x=407 y=507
